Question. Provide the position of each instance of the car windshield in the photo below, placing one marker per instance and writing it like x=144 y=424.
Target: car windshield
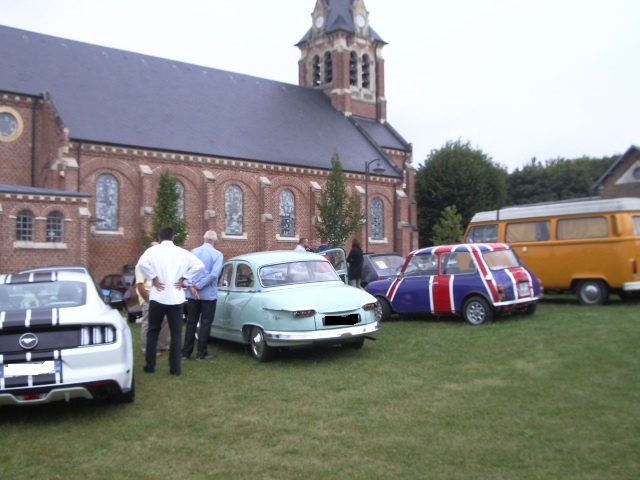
x=292 y=273
x=501 y=259
x=59 y=294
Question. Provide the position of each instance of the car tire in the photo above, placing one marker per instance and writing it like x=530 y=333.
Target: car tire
x=476 y=311
x=130 y=396
x=386 y=309
x=592 y=292
x=258 y=346
x=530 y=309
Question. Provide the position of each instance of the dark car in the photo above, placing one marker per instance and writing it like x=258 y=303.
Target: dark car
x=125 y=284
x=378 y=266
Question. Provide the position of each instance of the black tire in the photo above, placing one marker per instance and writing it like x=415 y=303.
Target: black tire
x=258 y=346
x=592 y=292
x=476 y=311
x=385 y=306
x=531 y=309
x=130 y=396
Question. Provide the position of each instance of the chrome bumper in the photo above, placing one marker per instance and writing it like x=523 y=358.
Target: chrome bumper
x=344 y=333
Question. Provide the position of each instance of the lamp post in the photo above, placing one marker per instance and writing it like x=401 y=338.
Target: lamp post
x=378 y=170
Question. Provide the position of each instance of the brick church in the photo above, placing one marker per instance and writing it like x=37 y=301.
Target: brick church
x=86 y=131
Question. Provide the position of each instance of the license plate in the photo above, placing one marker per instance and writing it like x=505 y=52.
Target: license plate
x=337 y=320
x=523 y=289
x=24 y=369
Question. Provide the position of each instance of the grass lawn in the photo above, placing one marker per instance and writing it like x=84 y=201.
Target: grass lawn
x=551 y=396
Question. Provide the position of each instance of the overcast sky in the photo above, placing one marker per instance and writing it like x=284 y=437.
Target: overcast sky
x=517 y=79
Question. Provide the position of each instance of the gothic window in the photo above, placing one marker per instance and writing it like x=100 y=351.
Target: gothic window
x=317 y=79
x=180 y=190
x=328 y=68
x=233 y=210
x=24 y=226
x=377 y=219
x=287 y=213
x=107 y=193
x=353 y=69
x=55 y=227
x=366 y=67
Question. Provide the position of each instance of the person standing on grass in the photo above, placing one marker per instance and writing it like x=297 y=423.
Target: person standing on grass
x=168 y=266
x=143 y=288
x=202 y=296
x=355 y=259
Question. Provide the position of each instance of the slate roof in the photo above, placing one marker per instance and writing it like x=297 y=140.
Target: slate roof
x=48 y=192
x=111 y=96
x=340 y=19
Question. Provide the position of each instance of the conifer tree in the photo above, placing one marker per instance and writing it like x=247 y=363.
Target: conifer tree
x=340 y=215
x=166 y=212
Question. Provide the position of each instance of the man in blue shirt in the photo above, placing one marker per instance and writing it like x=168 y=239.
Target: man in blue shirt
x=202 y=295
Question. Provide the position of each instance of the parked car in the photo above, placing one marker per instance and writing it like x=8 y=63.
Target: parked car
x=281 y=299
x=59 y=340
x=476 y=281
x=378 y=266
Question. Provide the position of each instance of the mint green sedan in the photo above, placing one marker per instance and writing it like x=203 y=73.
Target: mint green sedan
x=282 y=299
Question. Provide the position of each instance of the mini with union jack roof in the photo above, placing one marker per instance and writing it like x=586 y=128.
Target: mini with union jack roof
x=475 y=281
x=60 y=339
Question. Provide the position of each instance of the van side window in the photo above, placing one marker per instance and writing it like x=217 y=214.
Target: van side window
x=483 y=234
x=527 y=232
x=636 y=224
x=575 y=228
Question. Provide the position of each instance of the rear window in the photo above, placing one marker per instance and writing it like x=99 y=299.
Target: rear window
x=501 y=259
x=42 y=295
x=292 y=273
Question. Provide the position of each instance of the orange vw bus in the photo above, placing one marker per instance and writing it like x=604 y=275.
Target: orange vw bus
x=589 y=247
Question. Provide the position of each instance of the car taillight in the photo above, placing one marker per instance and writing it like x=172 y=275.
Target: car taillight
x=97 y=335
x=304 y=313
x=370 y=306
x=501 y=293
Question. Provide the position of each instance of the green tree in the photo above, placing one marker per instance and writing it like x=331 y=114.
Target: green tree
x=449 y=229
x=166 y=212
x=340 y=215
x=459 y=175
x=558 y=179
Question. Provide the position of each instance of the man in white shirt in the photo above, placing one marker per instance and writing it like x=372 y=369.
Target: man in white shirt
x=303 y=245
x=167 y=265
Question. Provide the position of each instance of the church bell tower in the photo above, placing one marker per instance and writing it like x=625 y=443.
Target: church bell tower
x=341 y=55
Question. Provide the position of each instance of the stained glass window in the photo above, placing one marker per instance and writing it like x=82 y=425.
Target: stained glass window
x=107 y=192
x=233 y=210
x=377 y=219
x=287 y=214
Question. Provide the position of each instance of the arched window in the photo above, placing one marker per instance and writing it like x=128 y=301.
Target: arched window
x=317 y=78
x=366 y=71
x=180 y=190
x=328 y=68
x=353 y=69
x=287 y=213
x=107 y=193
x=24 y=226
x=233 y=210
x=55 y=227
x=377 y=219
